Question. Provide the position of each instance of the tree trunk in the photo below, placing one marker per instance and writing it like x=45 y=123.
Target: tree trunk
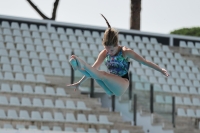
x=135 y=14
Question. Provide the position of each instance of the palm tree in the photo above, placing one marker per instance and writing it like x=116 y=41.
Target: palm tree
x=41 y=14
x=135 y=14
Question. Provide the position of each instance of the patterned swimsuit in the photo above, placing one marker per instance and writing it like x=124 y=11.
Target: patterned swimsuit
x=117 y=64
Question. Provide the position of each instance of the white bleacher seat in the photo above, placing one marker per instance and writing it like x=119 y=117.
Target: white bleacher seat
x=25 y=61
x=8 y=76
x=145 y=40
x=47 y=116
x=178 y=100
x=37 y=41
x=54 y=36
x=28 y=89
x=19 y=77
x=187 y=101
x=60 y=30
x=35 y=34
x=146 y=53
x=20 y=46
x=175 y=88
x=23 y=115
x=81 y=118
x=182 y=44
x=98 y=41
x=70 y=104
x=104 y=120
x=181 y=112
x=5 y=59
x=159 y=99
x=18 y=39
x=10 y=45
x=5 y=87
x=59 y=50
x=42 y=28
x=69 y=31
x=28 y=69
x=30 y=77
x=183 y=75
x=16 y=88
x=1 y=38
x=3 y=100
x=58 y=116
x=33 y=55
x=12 y=114
x=15 y=25
x=9 y=38
x=28 y=40
x=40 y=78
x=103 y=130
x=32 y=48
x=87 y=33
x=188 y=82
x=78 y=32
x=184 y=89
x=121 y=37
x=69 y=129
x=70 y=117
x=95 y=34
x=80 y=130
x=37 y=102
x=195 y=101
x=195 y=70
x=60 y=91
x=190 y=113
x=23 y=54
x=196 y=83
x=192 y=90
x=43 y=56
x=24 y=33
x=55 y=64
x=90 y=40
x=24 y=26
x=153 y=79
x=45 y=63
x=35 y=62
x=49 y=49
x=62 y=57
x=48 y=71
x=57 y=128
x=137 y=39
x=56 y=43
x=5 y=24
x=59 y=104
x=72 y=38
x=190 y=44
x=7 y=32
x=38 y=48
x=165 y=48
x=3 y=52
x=45 y=128
x=114 y=131
x=178 y=68
x=13 y=53
x=39 y=90
x=170 y=81
x=81 y=39
x=32 y=127
x=63 y=38
x=181 y=62
x=47 y=43
x=92 y=130
x=53 y=56
x=168 y=99
x=26 y=102
x=48 y=103
x=58 y=71
x=7 y=67
x=33 y=27
x=81 y=106
x=50 y=91
x=129 y=38
x=157 y=60
x=92 y=118
x=192 y=76
x=20 y=127
x=7 y=126
x=2 y=114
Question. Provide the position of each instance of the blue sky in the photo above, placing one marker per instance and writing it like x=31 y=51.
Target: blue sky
x=157 y=16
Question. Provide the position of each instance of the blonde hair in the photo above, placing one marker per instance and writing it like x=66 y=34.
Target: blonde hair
x=110 y=36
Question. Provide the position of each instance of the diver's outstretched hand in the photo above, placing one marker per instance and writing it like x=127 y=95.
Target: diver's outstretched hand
x=75 y=86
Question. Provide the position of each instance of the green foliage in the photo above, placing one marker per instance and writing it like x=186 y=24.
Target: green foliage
x=194 y=31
